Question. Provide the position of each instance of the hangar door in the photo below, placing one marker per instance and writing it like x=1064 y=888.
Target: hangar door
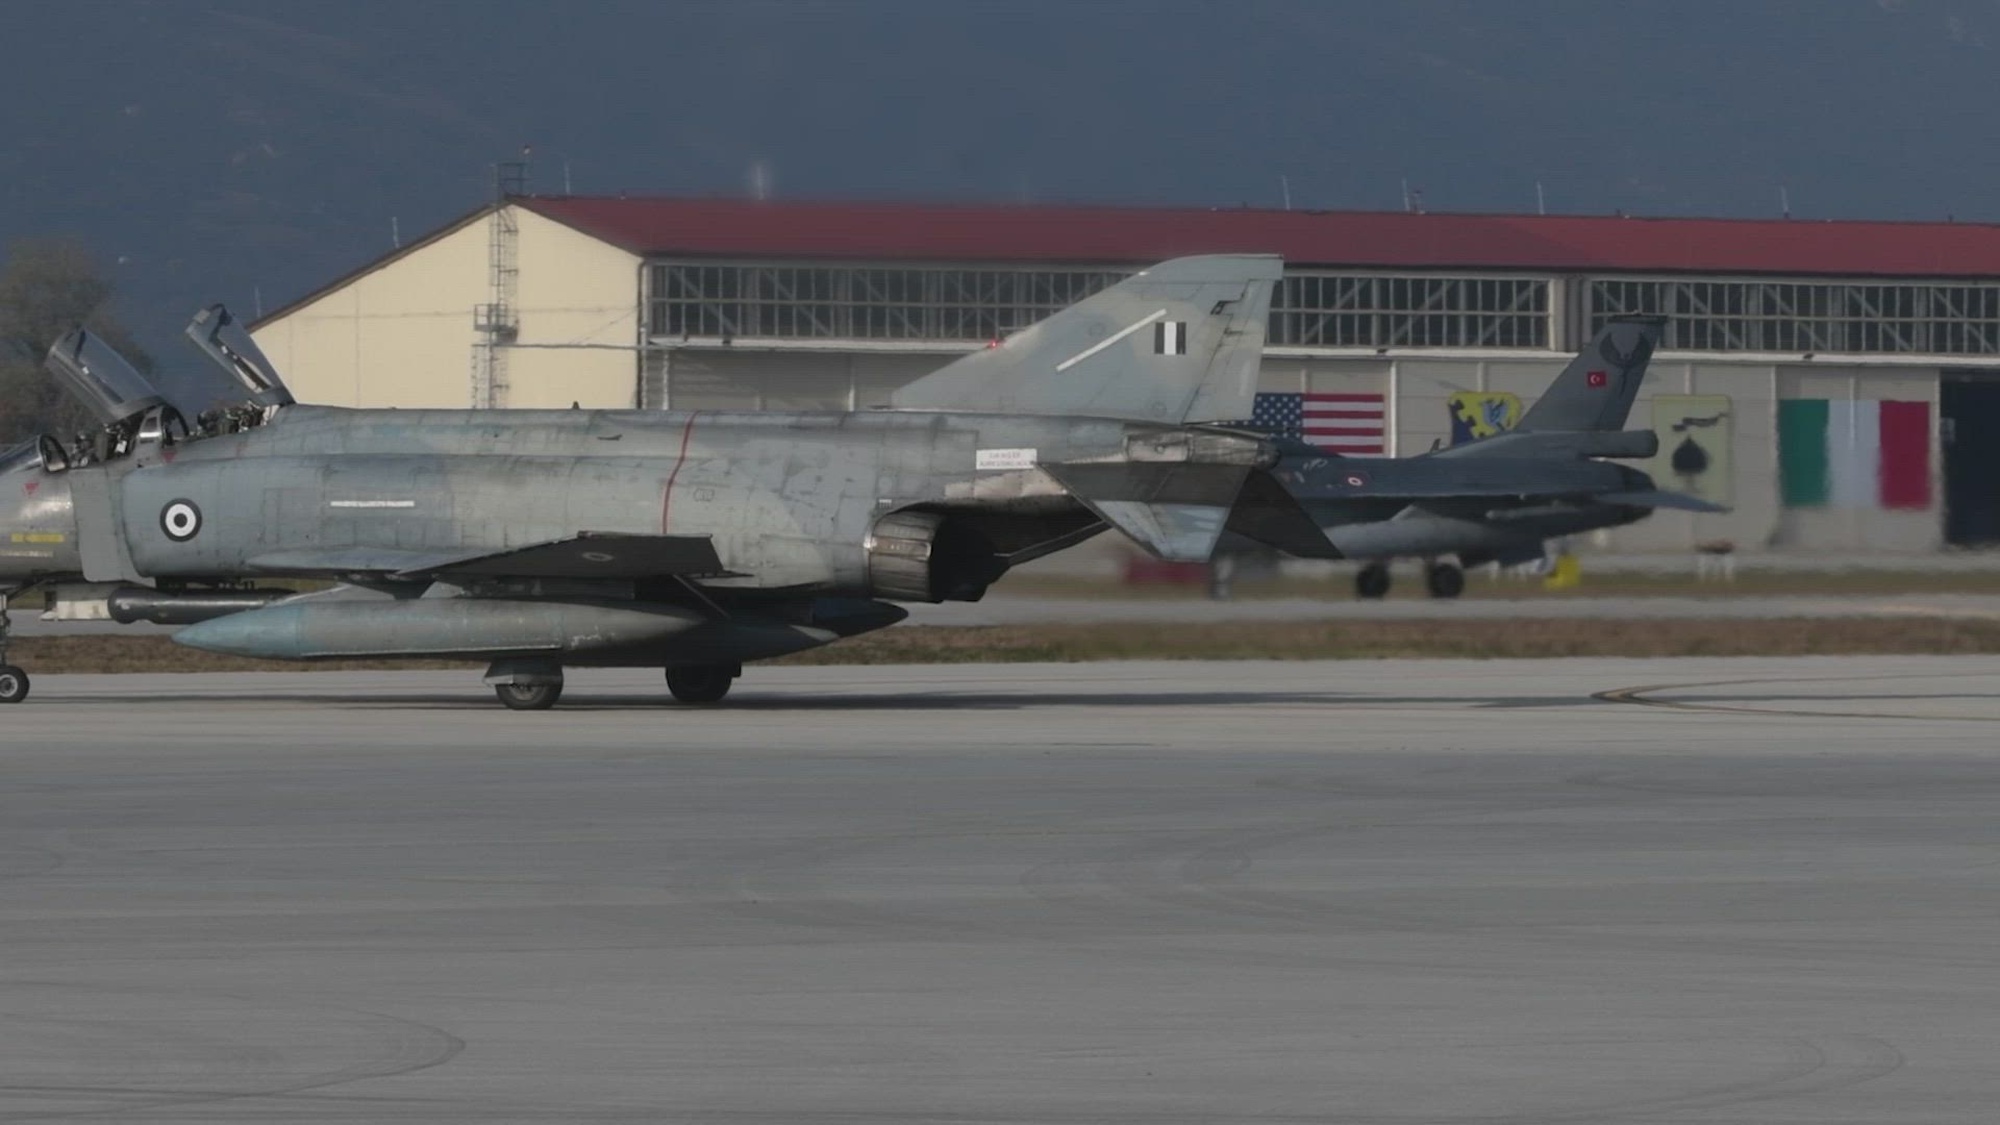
x=1969 y=431
x=731 y=379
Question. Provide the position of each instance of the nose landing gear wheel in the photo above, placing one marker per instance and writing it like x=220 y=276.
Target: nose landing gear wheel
x=1444 y=580
x=13 y=681
x=1372 y=581
x=528 y=697
x=702 y=683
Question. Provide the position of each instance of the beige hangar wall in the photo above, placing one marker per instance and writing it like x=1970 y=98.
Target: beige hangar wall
x=402 y=335
x=578 y=305
x=395 y=336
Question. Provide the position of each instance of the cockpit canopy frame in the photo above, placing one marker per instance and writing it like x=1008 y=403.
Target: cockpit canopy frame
x=217 y=334
x=100 y=379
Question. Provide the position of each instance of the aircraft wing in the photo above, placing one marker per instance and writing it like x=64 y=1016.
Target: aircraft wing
x=1657 y=498
x=1631 y=445
x=588 y=555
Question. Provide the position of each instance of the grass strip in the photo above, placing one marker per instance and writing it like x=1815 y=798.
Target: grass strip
x=1345 y=640
x=1479 y=584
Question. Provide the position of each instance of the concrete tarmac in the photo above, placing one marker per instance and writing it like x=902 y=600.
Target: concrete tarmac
x=1006 y=609
x=1751 y=891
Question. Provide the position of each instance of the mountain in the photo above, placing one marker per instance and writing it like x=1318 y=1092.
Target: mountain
x=249 y=152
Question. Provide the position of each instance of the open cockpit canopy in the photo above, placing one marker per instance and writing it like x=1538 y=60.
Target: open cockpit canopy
x=98 y=378
x=132 y=414
x=223 y=340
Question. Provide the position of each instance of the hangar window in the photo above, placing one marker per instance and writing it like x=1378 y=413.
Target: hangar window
x=1799 y=317
x=858 y=303
x=969 y=303
x=889 y=305
x=1366 y=311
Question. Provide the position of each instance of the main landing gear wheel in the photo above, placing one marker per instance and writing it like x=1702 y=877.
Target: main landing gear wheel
x=528 y=697
x=526 y=683
x=1444 y=580
x=13 y=684
x=1372 y=581
x=702 y=683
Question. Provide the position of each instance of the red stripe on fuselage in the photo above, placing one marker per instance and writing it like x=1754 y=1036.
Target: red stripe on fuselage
x=667 y=498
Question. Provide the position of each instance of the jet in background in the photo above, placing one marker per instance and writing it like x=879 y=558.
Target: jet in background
x=1494 y=499
x=689 y=541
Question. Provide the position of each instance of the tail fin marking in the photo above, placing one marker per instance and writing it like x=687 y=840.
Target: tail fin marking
x=1596 y=390
x=1199 y=362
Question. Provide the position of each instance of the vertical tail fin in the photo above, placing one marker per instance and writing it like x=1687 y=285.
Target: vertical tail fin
x=1596 y=390
x=1180 y=342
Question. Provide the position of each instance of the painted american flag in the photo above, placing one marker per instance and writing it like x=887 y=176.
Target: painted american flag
x=1349 y=423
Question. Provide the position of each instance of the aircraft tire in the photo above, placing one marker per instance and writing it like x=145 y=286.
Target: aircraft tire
x=528 y=697
x=1372 y=581
x=13 y=684
x=1444 y=580
x=702 y=683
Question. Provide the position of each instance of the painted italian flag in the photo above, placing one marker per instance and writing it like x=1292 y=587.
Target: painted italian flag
x=1854 y=453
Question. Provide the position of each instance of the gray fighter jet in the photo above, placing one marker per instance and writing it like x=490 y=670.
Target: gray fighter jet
x=686 y=541
x=1495 y=499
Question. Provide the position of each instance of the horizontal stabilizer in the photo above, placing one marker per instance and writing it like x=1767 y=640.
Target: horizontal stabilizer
x=1657 y=498
x=1174 y=532
x=1267 y=513
x=589 y=555
x=1176 y=510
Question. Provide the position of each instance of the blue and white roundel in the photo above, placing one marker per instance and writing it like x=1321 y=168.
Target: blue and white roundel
x=181 y=520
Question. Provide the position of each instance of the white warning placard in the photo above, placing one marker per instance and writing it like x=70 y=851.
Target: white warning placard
x=1005 y=459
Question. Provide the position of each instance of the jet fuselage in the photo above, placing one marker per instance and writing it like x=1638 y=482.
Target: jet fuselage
x=788 y=500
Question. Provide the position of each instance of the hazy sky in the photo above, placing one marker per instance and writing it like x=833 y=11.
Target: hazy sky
x=246 y=150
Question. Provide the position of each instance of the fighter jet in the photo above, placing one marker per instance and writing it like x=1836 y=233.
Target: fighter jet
x=689 y=541
x=1495 y=499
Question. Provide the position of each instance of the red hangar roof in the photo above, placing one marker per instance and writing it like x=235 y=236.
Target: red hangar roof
x=1383 y=240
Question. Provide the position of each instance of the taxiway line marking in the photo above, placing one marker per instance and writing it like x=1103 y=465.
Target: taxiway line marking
x=1640 y=696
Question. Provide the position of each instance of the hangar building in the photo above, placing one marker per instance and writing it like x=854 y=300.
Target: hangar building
x=1836 y=383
